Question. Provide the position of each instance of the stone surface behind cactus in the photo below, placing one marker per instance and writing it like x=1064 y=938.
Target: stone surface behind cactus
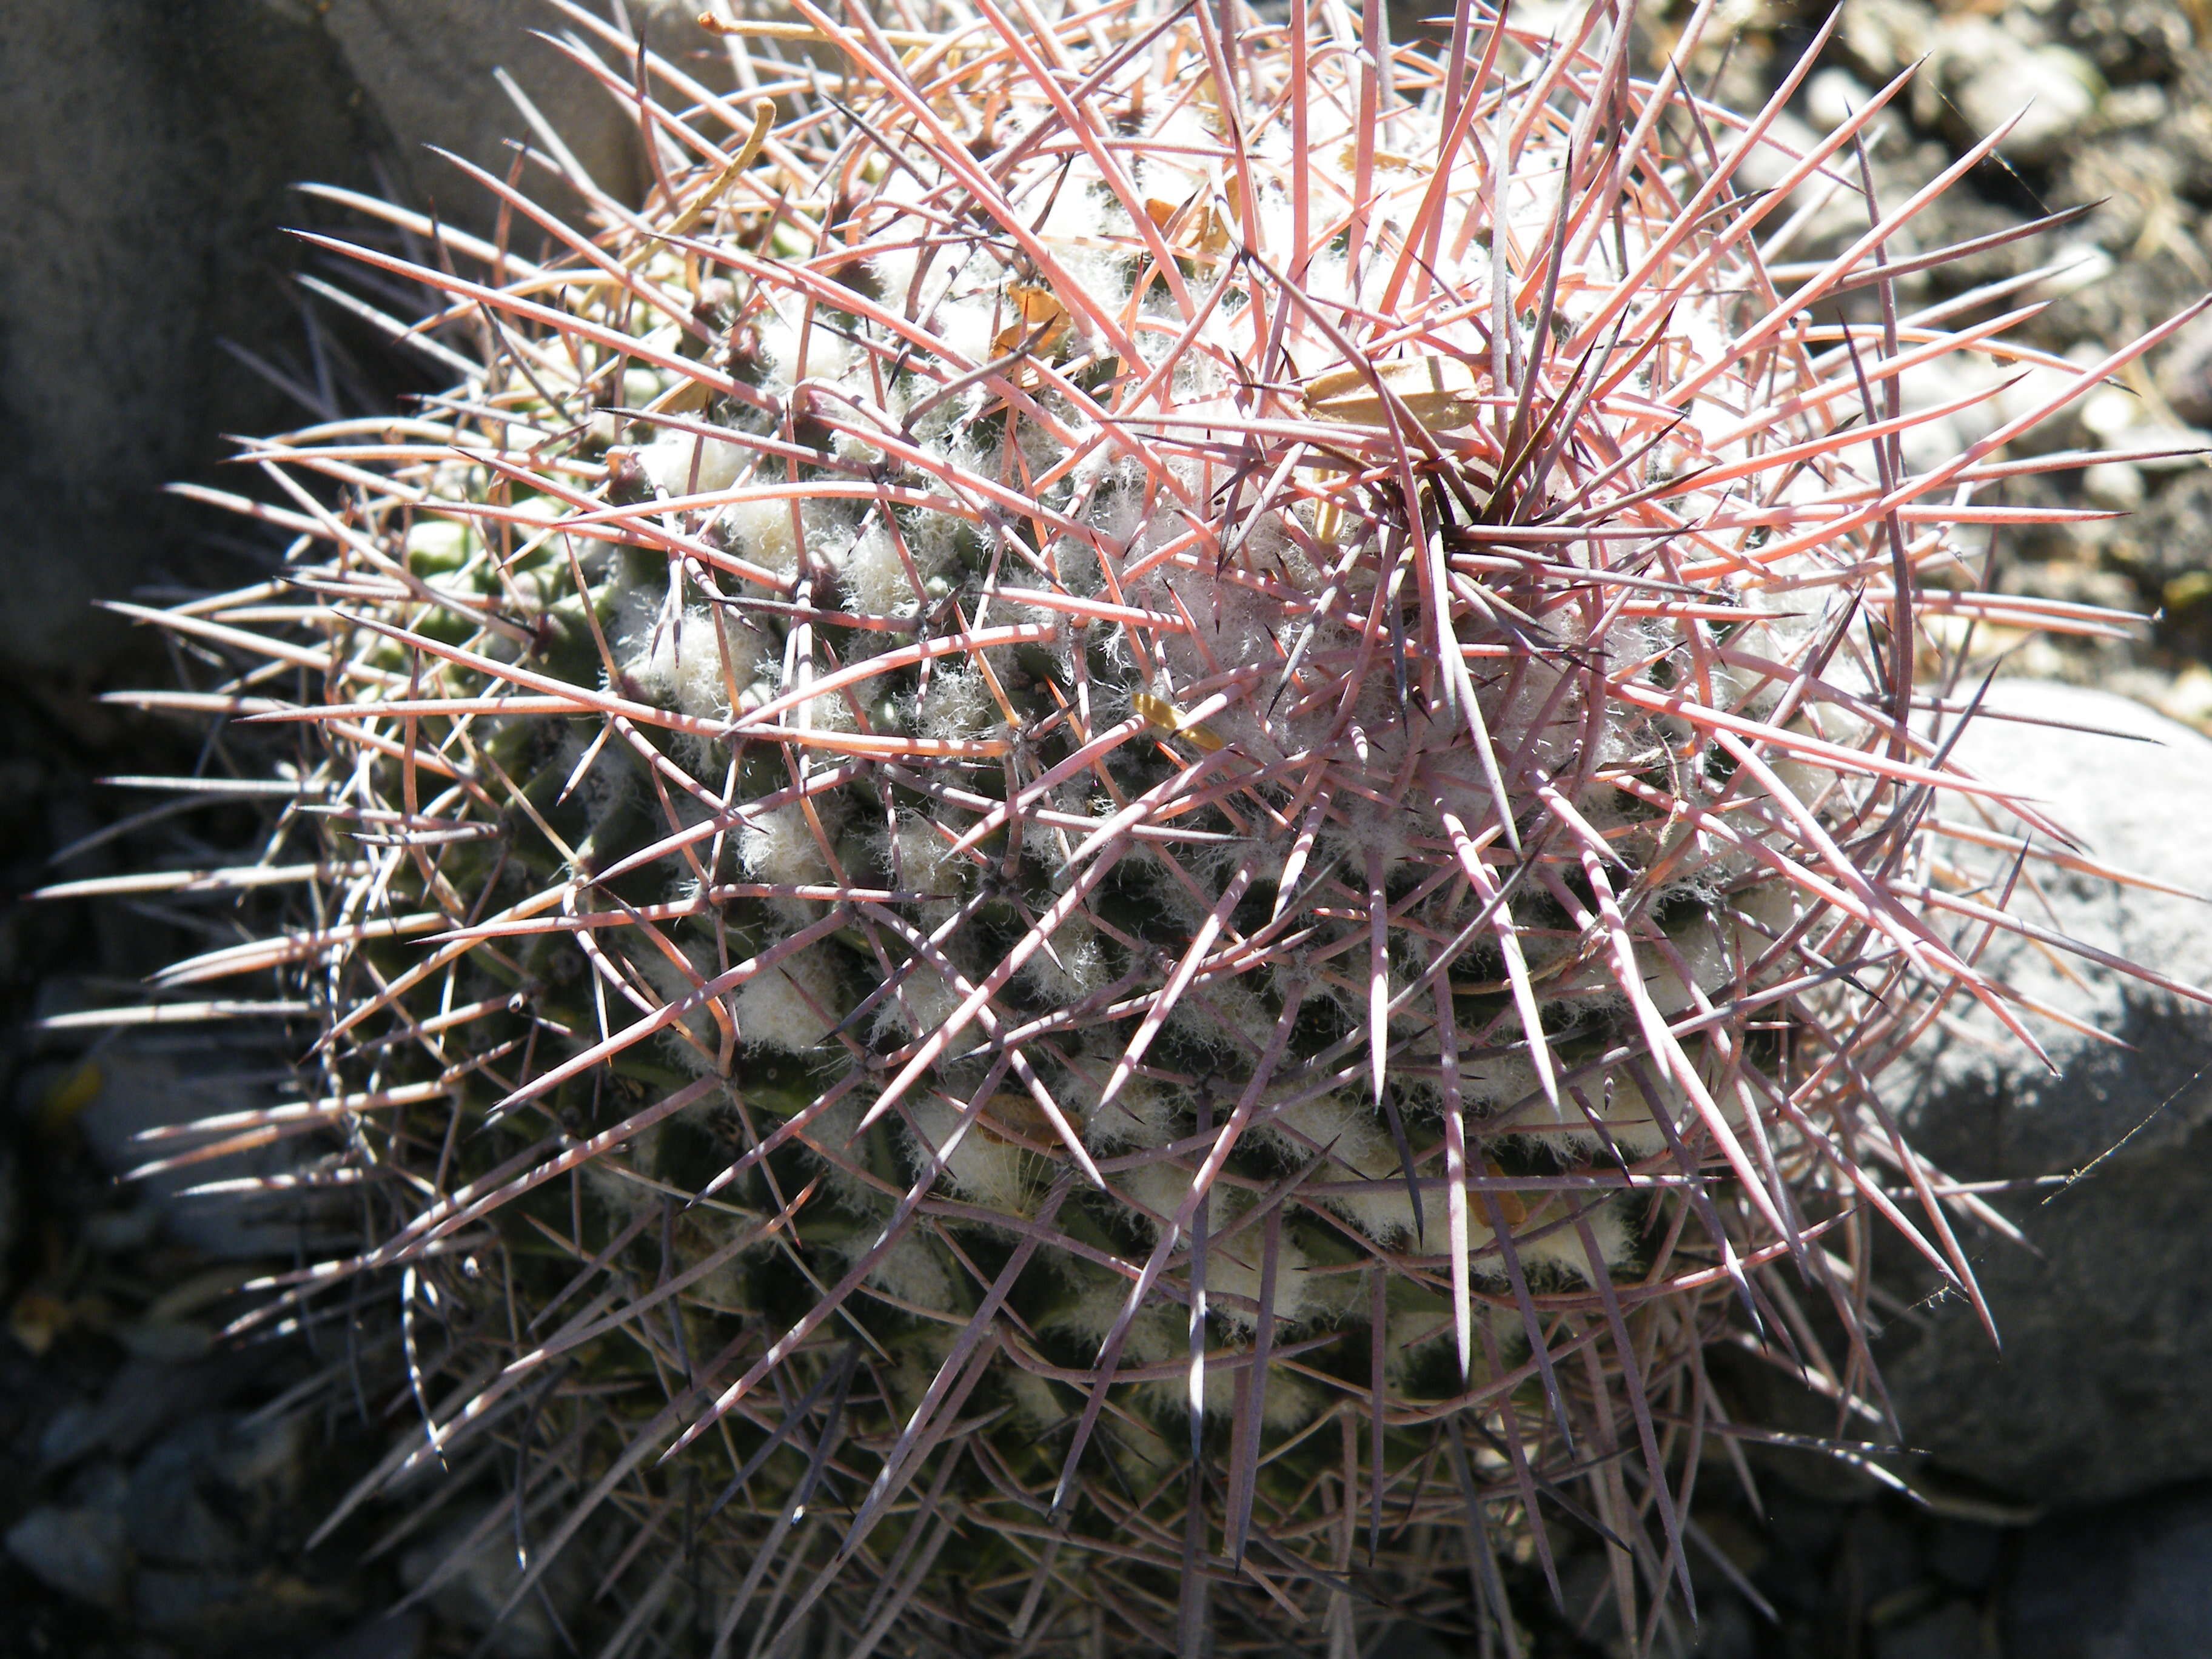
x=1090 y=857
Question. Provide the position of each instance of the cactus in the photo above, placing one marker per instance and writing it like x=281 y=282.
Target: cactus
x=1091 y=853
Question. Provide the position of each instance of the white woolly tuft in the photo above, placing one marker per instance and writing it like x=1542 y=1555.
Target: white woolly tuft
x=793 y=1005
x=780 y=846
x=687 y=464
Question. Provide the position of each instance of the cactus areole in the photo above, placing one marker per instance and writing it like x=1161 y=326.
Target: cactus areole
x=1091 y=854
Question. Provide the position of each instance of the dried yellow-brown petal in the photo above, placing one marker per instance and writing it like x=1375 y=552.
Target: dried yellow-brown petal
x=1194 y=230
x=1015 y=1120
x=1509 y=1204
x=1440 y=392
x=1159 y=711
x=1044 y=320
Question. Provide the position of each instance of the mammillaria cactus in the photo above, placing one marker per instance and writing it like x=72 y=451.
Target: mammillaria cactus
x=1152 y=792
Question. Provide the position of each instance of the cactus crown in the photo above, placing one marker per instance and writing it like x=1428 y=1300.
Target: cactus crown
x=1154 y=788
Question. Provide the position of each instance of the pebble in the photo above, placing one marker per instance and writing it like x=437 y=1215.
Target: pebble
x=2110 y=412
x=1887 y=36
x=142 y=1399
x=147 y=1084
x=1946 y=380
x=181 y=1602
x=84 y=1552
x=2034 y=388
x=1832 y=96
x=2114 y=484
x=11 y=1208
x=1994 y=76
x=1953 y=1631
x=2081 y=265
x=2143 y=106
x=172 y=1520
x=397 y=1636
x=468 y=1583
x=2184 y=371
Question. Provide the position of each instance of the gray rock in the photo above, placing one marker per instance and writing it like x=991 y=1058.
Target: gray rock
x=151 y=152
x=1729 y=1630
x=1992 y=75
x=1953 y=1631
x=176 y=1524
x=151 y=1083
x=1963 y=1554
x=2134 y=1582
x=2184 y=371
x=141 y=1401
x=427 y=69
x=2098 y=1391
x=397 y=1636
x=466 y=1573
x=198 y=1496
x=11 y=1206
x=150 y=148
x=1884 y=1552
x=80 y=1552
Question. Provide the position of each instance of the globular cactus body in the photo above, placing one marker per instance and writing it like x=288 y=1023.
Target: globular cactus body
x=1153 y=791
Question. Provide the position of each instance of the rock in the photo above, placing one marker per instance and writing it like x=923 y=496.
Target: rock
x=1832 y=96
x=199 y=1496
x=150 y=149
x=1953 y=1631
x=2184 y=372
x=2114 y=484
x=152 y=153
x=2035 y=388
x=397 y=1636
x=140 y=1401
x=1883 y=1551
x=428 y=68
x=2134 y=1582
x=2099 y=1390
x=1931 y=385
x=1886 y=36
x=466 y=1579
x=1992 y=75
x=205 y=1508
x=1838 y=213
x=2130 y=40
x=148 y=1083
x=2134 y=107
x=2164 y=543
x=82 y=1553
x=180 y=1603
x=1964 y=1554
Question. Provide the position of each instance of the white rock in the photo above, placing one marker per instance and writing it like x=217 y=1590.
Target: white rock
x=2081 y=265
x=1831 y=97
x=2140 y=105
x=2114 y=484
x=2109 y=412
x=1992 y=75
